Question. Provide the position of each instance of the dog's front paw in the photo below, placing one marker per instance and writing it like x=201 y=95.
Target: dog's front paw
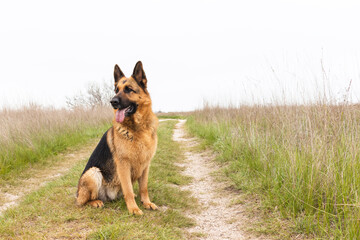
x=150 y=206
x=136 y=211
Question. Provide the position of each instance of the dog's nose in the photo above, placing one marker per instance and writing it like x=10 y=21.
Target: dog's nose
x=115 y=102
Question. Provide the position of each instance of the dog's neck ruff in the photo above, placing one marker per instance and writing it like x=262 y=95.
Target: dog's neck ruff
x=123 y=131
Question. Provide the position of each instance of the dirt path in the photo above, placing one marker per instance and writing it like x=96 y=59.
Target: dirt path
x=11 y=194
x=219 y=219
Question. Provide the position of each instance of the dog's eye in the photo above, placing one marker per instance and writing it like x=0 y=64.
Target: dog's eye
x=127 y=90
x=116 y=90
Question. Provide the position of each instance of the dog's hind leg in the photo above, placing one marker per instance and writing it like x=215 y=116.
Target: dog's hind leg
x=89 y=187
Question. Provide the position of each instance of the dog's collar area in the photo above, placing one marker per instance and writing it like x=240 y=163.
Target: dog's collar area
x=125 y=133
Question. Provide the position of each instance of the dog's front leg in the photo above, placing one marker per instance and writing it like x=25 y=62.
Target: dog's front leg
x=124 y=171
x=143 y=189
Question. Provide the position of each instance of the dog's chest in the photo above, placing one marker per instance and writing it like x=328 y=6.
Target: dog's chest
x=135 y=147
x=139 y=150
x=139 y=155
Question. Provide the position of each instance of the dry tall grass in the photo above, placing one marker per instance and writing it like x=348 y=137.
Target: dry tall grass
x=31 y=133
x=303 y=160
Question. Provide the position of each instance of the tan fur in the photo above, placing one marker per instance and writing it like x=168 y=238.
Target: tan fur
x=133 y=159
x=132 y=144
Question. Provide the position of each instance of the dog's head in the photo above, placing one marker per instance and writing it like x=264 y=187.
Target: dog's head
x=131 y=93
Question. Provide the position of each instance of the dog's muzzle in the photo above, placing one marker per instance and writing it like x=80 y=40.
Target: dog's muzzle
x=115 y=102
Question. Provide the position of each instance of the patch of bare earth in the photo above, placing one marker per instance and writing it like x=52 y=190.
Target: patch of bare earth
x=219 y=218
x=34 y=178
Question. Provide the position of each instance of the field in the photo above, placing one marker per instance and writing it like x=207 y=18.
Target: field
x=32 y=134
x=301 y=162
x=294 y=167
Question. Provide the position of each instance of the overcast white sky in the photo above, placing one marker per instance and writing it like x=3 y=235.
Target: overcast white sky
x=219 y=51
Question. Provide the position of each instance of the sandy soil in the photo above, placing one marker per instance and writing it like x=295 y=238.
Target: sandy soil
x=11 y=194
x=219 y=219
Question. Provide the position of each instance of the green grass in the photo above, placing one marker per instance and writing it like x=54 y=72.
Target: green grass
x=170 y=117
x=30 y=136
x=51 y=212
x=44 y=146
x=302 y=163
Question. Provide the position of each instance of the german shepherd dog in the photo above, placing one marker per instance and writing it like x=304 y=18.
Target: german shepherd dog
x=124 y=152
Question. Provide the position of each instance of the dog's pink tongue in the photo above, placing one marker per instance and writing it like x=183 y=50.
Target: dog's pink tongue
x=120 y=115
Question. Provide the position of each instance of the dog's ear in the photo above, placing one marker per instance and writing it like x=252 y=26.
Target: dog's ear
x=118 y=73
x=139 y=75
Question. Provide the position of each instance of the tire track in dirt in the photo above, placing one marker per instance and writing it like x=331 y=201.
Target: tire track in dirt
x=218 y=219
x=11 y=194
